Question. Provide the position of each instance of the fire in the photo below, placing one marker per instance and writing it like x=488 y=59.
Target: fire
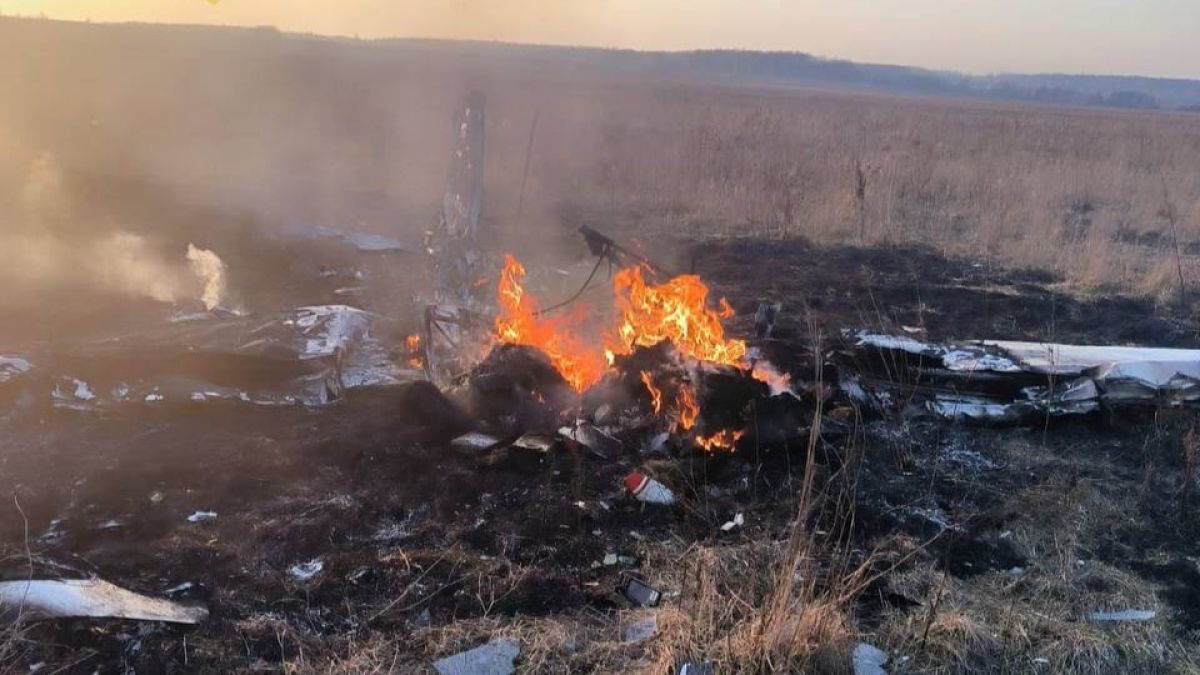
x=655 y=392
x=676 y=310
x=722 y=440
x=519 y=323
x=767 y=374
x=413 y=344
x=688 y=410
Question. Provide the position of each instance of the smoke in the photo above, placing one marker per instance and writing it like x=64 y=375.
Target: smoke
x=208 y=267
x=46 y=248
x=124 y=263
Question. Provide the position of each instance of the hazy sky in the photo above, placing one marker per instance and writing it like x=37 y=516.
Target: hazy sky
x=1145 y=37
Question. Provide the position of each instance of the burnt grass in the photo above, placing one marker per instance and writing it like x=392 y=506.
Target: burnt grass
x=411 y=533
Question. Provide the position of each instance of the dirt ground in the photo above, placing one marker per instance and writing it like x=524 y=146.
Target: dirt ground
x=986 y=546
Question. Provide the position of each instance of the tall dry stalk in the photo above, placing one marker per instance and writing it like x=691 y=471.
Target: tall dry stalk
x=1169 y=213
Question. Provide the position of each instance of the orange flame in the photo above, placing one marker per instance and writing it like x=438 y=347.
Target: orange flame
x=722 y=440
x=519 y=323
x=688 y=410
x=676 y=310
x=413 y=344
x=655 y=392
x=767 y=374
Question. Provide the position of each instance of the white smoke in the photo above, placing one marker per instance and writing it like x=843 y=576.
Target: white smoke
x=211 y=270
x=125 y=263
x=46 y=248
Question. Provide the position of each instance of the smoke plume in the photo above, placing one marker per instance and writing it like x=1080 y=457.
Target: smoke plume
x=49 y=248
x=208 y=267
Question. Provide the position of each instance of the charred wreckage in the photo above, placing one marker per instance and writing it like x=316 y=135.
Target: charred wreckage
x=654 y=375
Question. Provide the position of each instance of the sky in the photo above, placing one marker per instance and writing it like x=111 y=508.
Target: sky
x=1123 y=37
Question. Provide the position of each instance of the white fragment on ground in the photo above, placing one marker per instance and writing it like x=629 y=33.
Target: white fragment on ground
x=640 y=631
x=1123 y=615
x=181 y=588
x=90 y=598
x=493 y=658
x=610 y=559
x=200 y=516
x=79 y=389
x=869 y=660
x=10 y=366
x=307 y=570
x=934 y=515
x=82 y=391
x=737 y=521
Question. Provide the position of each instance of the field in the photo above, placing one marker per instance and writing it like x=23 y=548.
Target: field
x=953 y=547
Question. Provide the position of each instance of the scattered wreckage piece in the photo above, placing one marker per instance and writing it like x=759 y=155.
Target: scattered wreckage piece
x=604 y=248
x=867 y=659
x=19 y=384
x=305 y=356
x=640 y=630
x=475 y=443
x=1011 y=381
x=493 y=658
x=1123 y=615
x=43 y=599
x=640 y=593
x=12 y=367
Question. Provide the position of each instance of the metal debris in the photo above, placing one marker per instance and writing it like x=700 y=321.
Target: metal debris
x=737 y=521
x=493 y=658
x=474 y=443
x=1007 y=381
x=1123 y=615
x=200 y=516
x=591 y=437
x=869 y=660
x=306 y=570
x=641 y=631
x=535 y=443
x=640 y=593
x=88 y=598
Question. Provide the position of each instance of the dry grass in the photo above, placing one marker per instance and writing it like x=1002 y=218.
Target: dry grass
x=1079 y=192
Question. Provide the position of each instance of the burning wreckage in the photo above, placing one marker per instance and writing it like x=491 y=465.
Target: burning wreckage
x=652 y=373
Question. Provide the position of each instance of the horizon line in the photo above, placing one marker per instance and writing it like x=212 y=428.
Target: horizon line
x=566 y=46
